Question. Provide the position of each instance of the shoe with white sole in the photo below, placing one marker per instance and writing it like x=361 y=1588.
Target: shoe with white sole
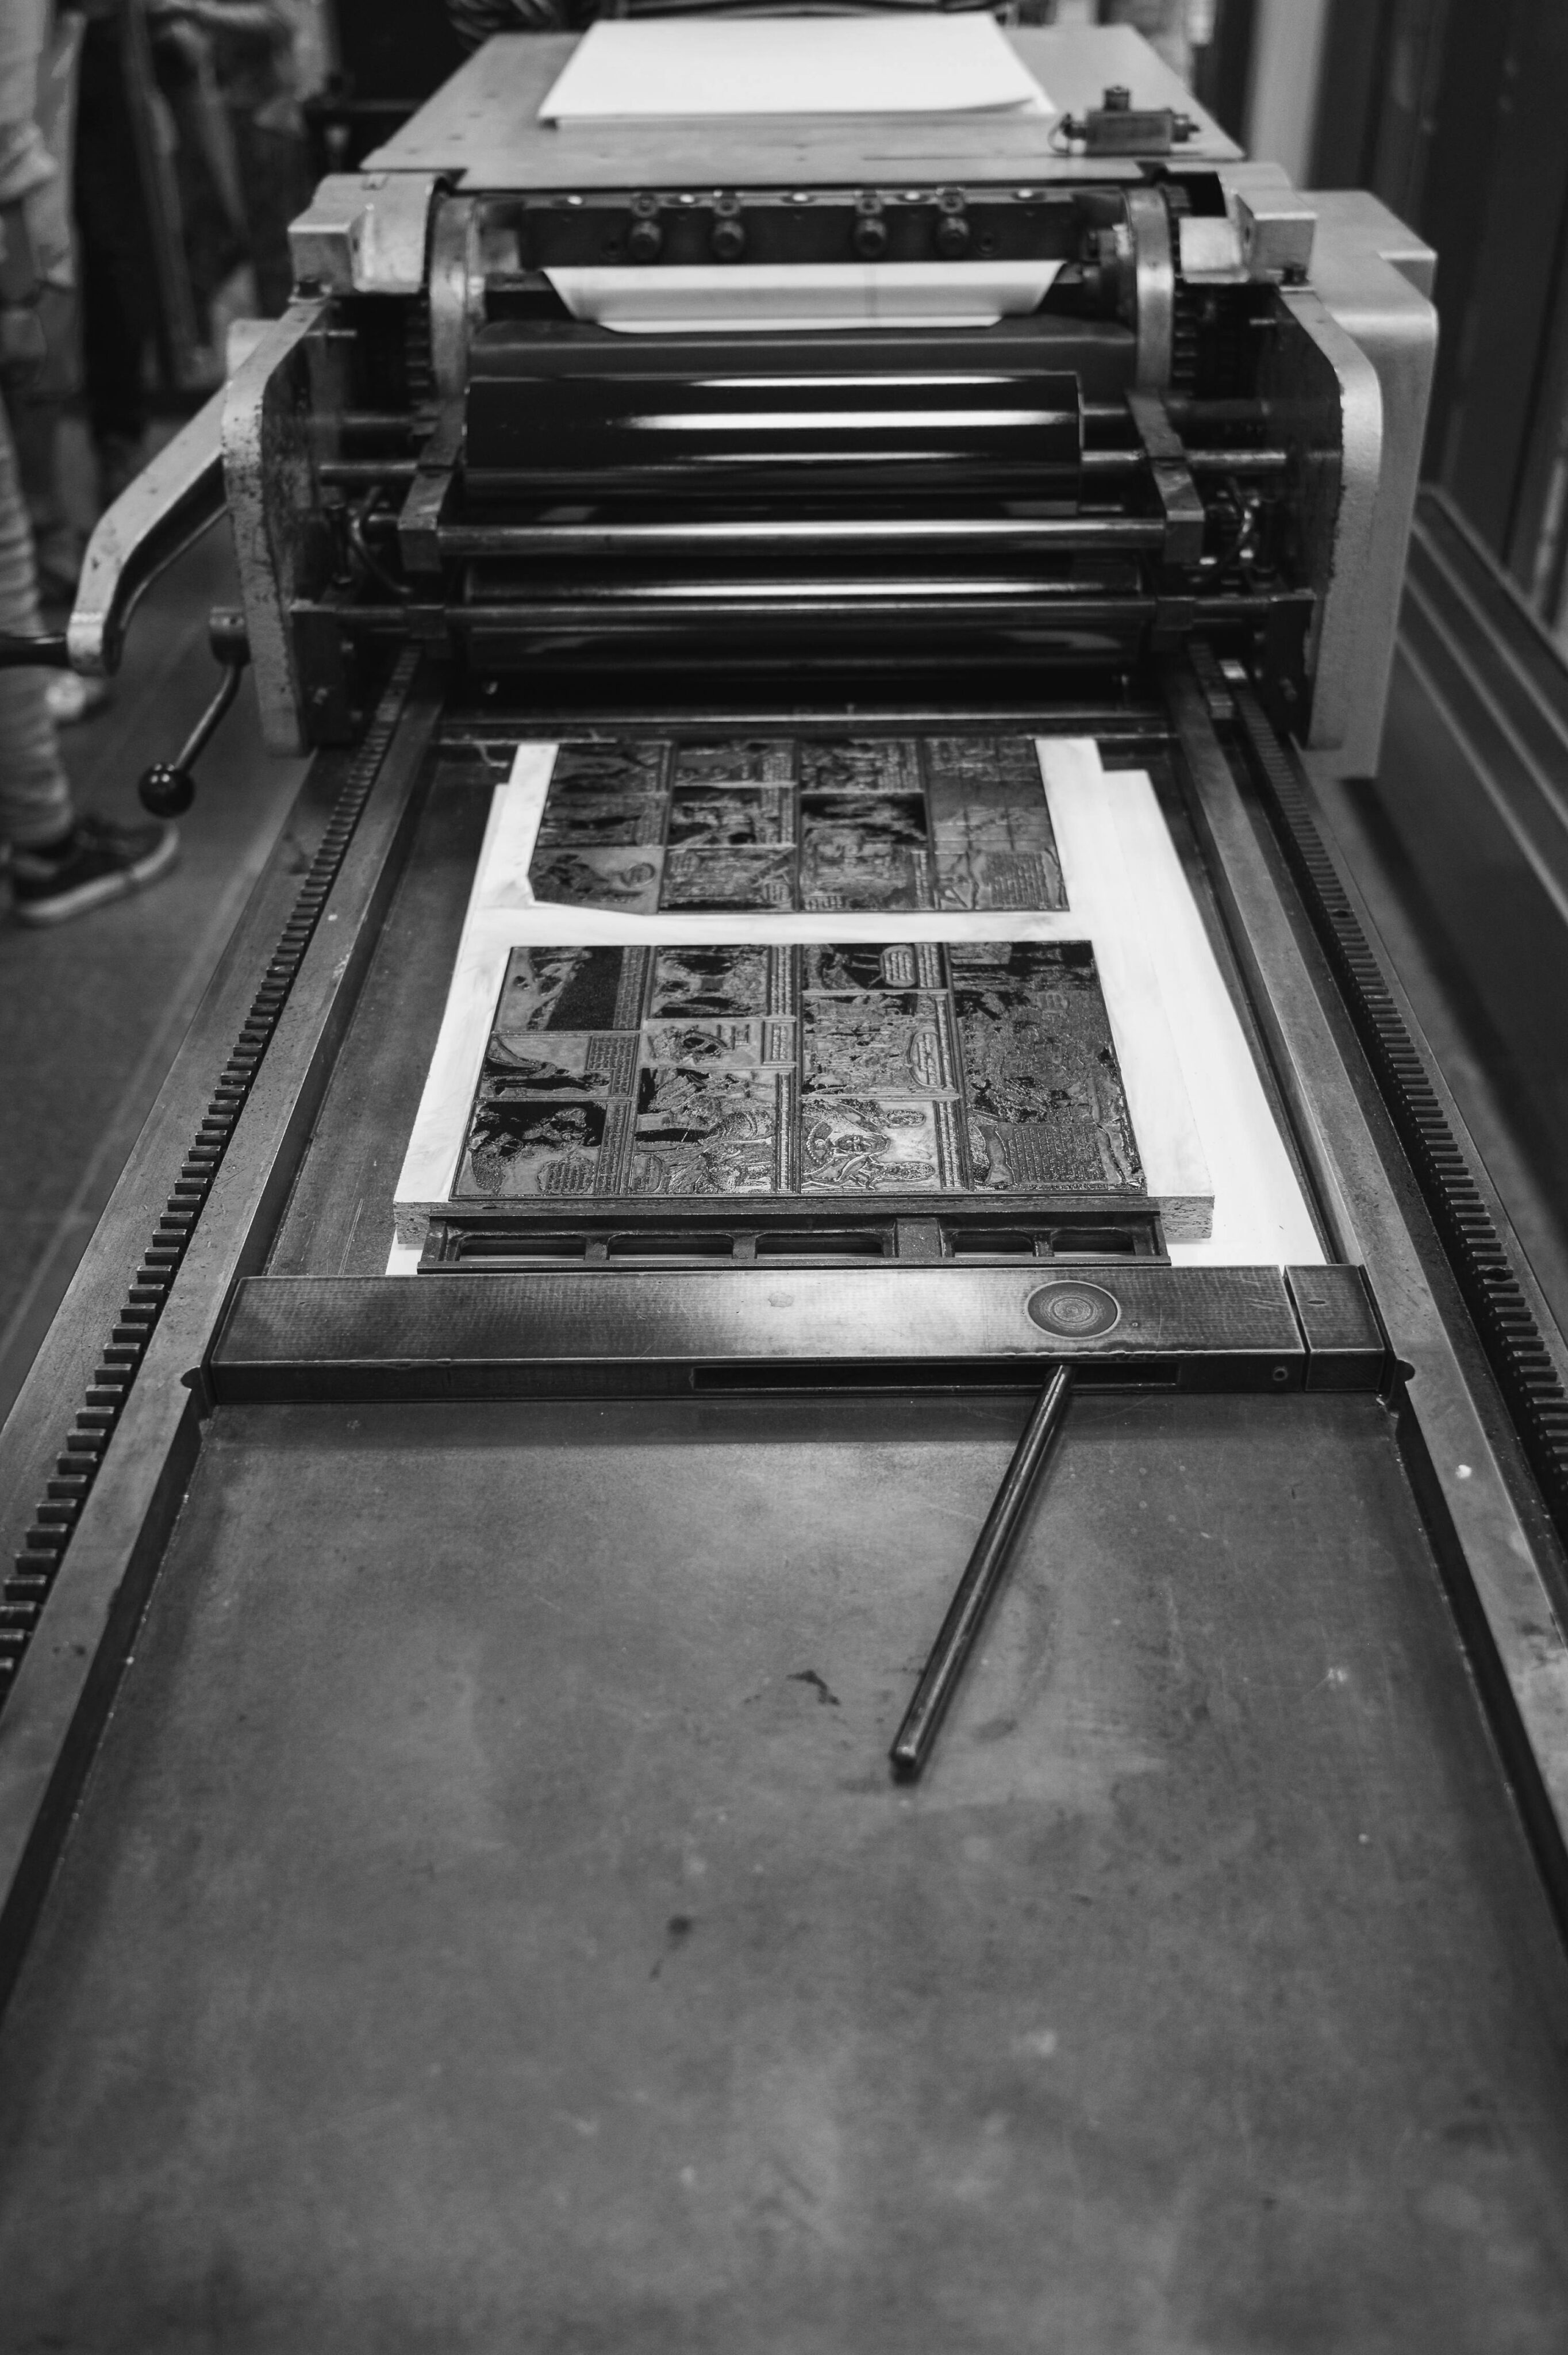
x=97 y=863
x=71 y=698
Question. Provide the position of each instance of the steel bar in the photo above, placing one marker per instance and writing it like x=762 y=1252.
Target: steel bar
x=1120 y=463
x=971 y=605
x=1021 y=605
x=1236 y=462
x=30 y=650
x=1186 y=411
x=965 y=1613
x=1085 y=533
x=364 y=474
x=624 y=1326
x=403 y=423
x=1199 y=461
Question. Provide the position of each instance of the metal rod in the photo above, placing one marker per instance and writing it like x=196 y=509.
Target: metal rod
x=905 y=469
x=228 y=687
x=969 y=608
x=1089 y=533
x=403 y=423
x=971 y=1600
x=1042 y=606
x=364 y=474
x=1198 y=461
x=24 y=653
x=1184 y=411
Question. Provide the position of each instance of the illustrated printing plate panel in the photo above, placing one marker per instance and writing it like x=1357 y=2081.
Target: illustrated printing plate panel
x=835 y=1068
x=894 y=823
x=1190 y=1093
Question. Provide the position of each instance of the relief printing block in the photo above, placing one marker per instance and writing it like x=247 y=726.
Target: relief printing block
x=868 y=823
x=836 y=1069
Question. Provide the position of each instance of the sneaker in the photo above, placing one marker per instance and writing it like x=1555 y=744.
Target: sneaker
x=97 y=863
x=70 y=697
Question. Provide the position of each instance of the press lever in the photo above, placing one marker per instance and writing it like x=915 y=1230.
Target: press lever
x=168 y=788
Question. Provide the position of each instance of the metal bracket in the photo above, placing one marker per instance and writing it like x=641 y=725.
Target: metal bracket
x=364 y=233
x=1154 y=287
x=424 y=510
x=1178 y=494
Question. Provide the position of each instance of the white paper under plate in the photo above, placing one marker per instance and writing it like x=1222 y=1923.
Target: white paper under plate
x=1212 y=1156
x=675 y=69
x=801 y=297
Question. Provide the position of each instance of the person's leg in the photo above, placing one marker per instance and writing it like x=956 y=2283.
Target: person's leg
x=115 y=260
x=34 y=797
x=56 y=542
x=61 y=865
x=275 y=176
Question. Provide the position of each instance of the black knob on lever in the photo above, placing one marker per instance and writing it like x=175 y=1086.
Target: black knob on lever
x=168 y=788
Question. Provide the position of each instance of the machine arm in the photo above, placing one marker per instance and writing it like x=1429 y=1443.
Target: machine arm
x=175 y=498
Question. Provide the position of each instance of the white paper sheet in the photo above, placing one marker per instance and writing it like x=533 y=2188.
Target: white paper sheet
x=801 y=298
x=1196 y=1102
x=679 y=68
x=1122 y=871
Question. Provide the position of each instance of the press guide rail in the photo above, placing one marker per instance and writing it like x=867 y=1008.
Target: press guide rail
x=617 y=1335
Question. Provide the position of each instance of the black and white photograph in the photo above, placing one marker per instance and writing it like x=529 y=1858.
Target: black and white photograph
x=783 y=1177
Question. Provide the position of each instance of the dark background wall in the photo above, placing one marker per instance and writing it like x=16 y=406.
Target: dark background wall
x=1453 y=111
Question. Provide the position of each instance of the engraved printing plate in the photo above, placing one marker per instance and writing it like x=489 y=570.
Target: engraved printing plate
x=882 y=823
x=835 y=1068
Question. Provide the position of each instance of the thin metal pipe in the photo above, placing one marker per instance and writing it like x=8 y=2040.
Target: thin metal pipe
x=698 y=472
x=1017 y=610
x=1084 y=532
x=404 y=422
x=973 y=1597
x=364 y=474
x=1197 y=462
x=1044 y=604
x=1183 y=409
x=26 y=650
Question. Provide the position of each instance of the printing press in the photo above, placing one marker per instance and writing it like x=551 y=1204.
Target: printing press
x=806 y=947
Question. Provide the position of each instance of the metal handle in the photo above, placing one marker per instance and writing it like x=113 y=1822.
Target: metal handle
x=40 y=653
x=971 y=1600
x=168 y=788
x=175 y=498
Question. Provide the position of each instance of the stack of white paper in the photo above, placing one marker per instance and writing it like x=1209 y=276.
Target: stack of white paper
x=678 y=68
x=779 y=298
